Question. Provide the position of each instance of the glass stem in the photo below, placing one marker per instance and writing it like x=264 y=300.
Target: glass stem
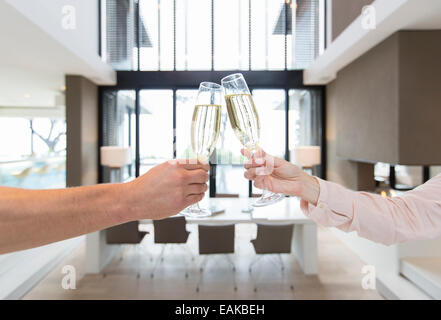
x=195 y=206
x=265 y=191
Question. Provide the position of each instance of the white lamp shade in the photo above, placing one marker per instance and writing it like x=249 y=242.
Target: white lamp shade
x=307 y=156
x=115 y=157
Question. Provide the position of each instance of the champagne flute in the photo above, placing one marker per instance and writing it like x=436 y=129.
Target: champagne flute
x=244 y=120
x=205 y=129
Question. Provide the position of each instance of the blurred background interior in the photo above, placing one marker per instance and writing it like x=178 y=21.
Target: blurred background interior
x=77 y=75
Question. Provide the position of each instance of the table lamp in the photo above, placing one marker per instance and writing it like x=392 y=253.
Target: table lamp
x=307 y=156
x=115 y=158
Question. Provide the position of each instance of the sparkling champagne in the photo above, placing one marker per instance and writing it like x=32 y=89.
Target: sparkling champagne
x=244 y=119
x=205 y=129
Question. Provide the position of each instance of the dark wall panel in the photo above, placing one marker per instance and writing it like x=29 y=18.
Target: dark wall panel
x=344 y=12
x=82 y=131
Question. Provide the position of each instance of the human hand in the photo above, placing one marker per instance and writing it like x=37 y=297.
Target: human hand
x=280 y=176
x=167 y=189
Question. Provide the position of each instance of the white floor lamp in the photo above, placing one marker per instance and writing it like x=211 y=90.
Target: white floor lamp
x=307 y=156
x=115 y=158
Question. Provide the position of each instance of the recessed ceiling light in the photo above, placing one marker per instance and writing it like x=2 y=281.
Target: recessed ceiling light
x=27 y=95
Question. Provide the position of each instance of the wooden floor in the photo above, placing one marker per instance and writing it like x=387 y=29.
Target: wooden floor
x=339 y=274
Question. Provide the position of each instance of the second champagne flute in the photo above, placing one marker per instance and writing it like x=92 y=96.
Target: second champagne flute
x=205 y=128
x=244 y=120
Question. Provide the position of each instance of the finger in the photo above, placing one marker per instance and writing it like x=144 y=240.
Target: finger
x=255 y=163
x=256 y=160
x=196 y=166
x=265 y=182
x=246 y=153
x=253 y=173
x=197 y=176
x=192 y=164
x=250 y=174
x=193 y=198
x=196 y=188
x=259 y=182
x=259 y=153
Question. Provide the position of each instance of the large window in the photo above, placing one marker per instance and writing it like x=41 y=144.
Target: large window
x=289 y=117
x=184 y=111
x=167 y=47
x=119 y=126
x=36 y=156
x=152 y=35
x=155 y=128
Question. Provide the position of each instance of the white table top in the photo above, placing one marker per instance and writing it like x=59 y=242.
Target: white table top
x=285 y=211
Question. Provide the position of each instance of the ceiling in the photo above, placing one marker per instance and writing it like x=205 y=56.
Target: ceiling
x=354 y=41
x=34 y=59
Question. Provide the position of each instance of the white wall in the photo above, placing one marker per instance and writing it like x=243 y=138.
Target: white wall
x=24 y=87
x=22 y=270
x=35 y=35
x=47 y=14
x=384 y=258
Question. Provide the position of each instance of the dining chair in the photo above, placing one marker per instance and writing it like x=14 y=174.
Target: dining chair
x=127 y=234
x=272 y=240
x=43 y=169
x=22 y=175
x=227 y=195
x=170 y=232
x=216 y=240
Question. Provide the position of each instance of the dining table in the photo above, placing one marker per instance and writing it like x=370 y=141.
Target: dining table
x=286 y=211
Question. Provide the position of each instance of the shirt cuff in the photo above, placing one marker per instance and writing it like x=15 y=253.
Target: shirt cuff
x=334 y=205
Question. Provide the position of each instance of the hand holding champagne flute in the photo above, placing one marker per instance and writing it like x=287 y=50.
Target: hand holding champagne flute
x=205 y=128
x=244 y=120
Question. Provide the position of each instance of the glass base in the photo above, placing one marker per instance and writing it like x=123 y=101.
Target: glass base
x=195 y=212
x=268 y=199
x=248 y=208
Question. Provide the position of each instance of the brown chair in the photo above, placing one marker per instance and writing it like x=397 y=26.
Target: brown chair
x=272 y=239
x=127 y=233
x=227 y=195
x=170 y=231
x=215 y=240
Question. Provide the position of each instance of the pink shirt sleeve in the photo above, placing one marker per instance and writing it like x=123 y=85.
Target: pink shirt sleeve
x=414 y=215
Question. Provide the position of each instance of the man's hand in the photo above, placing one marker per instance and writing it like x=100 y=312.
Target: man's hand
x=166 y=189
x=280 y=176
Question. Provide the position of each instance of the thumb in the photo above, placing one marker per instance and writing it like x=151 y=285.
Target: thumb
x=261 y=158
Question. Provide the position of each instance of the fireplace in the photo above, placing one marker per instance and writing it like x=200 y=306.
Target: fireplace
x=399 y=178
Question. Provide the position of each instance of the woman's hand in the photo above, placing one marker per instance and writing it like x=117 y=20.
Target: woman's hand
x=166 y=189
x=280 y=176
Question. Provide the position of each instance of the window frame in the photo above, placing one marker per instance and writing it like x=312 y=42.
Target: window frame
x=177 y=80
x=322 y=37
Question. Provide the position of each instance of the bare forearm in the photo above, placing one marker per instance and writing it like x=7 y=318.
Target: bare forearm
x=30 y=218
